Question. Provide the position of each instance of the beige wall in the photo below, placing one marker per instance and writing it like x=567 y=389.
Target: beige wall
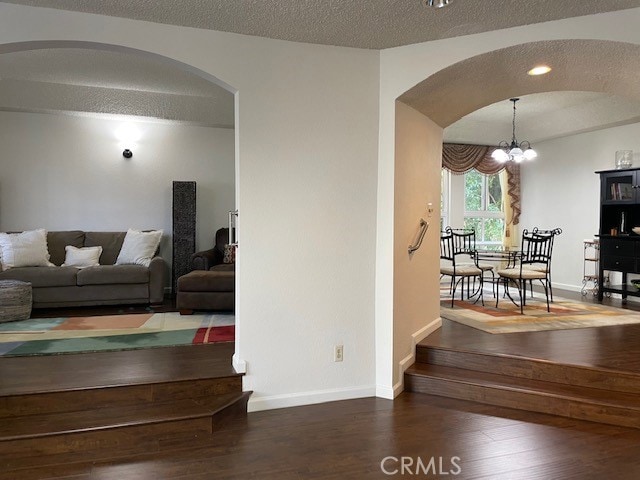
x=418 y=156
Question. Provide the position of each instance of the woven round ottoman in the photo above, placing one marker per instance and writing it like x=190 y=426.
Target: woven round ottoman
x=15 y=300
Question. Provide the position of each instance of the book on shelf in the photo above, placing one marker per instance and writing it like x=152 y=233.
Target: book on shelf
x=621 y=191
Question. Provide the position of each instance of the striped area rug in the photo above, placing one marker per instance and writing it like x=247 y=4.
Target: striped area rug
x=50 y=336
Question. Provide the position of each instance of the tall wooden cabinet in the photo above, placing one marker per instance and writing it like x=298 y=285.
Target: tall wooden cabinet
x=619 y=213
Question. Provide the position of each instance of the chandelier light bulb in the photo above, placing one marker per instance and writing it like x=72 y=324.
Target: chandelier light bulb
x=500 y=155
x=530 y=154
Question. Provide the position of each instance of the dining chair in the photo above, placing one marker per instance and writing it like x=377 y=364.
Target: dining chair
x=464 y=240
x=541 y=267
x=454 y=266
x=535 y=250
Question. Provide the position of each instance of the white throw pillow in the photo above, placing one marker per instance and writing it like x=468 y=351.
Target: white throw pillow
x=139 y=247
x=26 y=249
x=82 y=257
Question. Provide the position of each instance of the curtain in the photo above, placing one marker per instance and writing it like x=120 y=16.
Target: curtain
x=459 y=159
x=510 y=233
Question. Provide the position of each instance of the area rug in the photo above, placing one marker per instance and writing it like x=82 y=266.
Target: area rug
x=50 y=336
x=565 y=314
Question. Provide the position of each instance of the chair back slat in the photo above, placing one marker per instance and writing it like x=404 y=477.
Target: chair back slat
x=536 y=248
x=463 y=241
x=447 y=248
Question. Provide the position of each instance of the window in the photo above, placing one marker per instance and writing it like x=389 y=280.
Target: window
x=483 y=207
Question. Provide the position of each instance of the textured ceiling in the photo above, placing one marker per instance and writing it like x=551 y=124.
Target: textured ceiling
x=470 y=97
x=98 y=81
x=543 y=116
x=374 y=24
x=578 y=65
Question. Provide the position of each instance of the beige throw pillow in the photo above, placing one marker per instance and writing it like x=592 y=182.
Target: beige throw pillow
x=82 y=257
x=26 y=249
x=139 y=247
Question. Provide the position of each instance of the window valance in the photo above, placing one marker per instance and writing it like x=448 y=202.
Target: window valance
x=459 y=158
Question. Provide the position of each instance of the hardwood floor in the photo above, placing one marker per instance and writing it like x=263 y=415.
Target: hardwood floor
x=350 y=439
x=615 y=347
x=42 y=373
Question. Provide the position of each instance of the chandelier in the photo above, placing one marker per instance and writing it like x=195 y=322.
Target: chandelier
x=514 y=151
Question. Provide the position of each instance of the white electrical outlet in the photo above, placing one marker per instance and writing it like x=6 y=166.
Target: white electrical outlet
x=338 y=353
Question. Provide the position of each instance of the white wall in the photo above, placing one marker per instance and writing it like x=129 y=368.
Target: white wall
x=306 y=145
x=560 y=189
x=66 y=172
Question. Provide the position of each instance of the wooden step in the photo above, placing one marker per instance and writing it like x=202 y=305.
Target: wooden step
x=615 y=408
x=103 y=396
x=530 y=368
x=133 y=428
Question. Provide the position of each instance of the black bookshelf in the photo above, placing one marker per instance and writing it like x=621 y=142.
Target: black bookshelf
x=619 y=213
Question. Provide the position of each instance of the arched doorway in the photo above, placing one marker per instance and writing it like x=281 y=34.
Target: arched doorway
x=160 y=155
x=438 y=101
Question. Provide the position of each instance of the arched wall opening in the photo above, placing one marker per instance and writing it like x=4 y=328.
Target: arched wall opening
x=142 y=164
x=421 y=114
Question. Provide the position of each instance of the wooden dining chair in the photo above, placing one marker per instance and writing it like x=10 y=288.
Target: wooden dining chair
x=454 y=266
x=535 y=250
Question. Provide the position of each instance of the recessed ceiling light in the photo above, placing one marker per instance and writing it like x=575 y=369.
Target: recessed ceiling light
x=539 y=70
x=436 y=3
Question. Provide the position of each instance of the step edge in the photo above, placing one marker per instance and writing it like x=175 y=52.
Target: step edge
x=116 y=385
x=532 y=359
x=498 y=386
x=203 y=412
x=234 y=398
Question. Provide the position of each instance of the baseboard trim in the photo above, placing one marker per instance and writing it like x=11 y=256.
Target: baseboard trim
x=410 y=359
x=239 y=365
x=563 y=286
x=257 y=403
x=382 y=391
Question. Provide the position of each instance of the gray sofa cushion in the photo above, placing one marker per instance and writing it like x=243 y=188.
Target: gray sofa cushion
x=42 y=276
x=111 y=243
x=57 y=241
x=113 y=274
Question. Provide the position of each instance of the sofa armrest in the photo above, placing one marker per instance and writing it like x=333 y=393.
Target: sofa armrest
x=157 y=273
x=204 y=260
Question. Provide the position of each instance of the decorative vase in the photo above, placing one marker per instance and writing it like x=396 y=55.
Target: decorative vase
x=624 y=159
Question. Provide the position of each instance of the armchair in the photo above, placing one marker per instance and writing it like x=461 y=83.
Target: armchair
x=214 y=257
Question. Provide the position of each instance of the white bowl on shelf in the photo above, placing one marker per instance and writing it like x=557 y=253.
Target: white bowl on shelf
x=636 y=230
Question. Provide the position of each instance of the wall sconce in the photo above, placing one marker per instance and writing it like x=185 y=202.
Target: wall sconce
x=127 y=134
